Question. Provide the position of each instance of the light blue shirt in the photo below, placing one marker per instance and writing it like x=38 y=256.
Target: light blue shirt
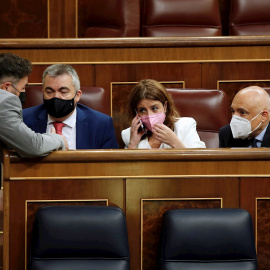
x=259 y=138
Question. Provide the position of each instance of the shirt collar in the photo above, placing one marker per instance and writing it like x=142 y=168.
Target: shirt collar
x=261 y=135
x=70 y=121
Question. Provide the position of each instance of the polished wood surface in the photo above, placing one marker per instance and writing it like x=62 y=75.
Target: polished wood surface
x=144 y=183
x=226 y=63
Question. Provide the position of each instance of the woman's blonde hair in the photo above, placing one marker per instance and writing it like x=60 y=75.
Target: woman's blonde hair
x=151 y=89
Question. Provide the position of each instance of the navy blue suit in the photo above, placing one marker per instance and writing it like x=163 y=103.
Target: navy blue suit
x=226 y=138
x=94 y=130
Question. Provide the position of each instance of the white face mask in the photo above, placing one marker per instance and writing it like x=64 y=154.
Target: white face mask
x=241 y=127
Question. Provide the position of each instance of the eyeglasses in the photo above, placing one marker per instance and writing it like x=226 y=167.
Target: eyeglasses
x=15 y=88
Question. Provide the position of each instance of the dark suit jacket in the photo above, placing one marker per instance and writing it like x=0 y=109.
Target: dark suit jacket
x=226 y=138
x=94 y=130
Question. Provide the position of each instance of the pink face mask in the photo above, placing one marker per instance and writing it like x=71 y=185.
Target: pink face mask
x=150 y=120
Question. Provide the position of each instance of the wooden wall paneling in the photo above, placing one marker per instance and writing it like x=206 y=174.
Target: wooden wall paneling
x=235 y=76
x=77 y=190
x=84 y=71
x=263 y=231
x=255 y=198
x=162 y=189
x=23 y=19
x=233 y=86
x=128 y=177
x=62 y=18
x=152 y=211
x=133 y=72
x=36 y=74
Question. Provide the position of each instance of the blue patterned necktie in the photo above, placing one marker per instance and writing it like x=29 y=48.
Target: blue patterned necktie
x=254 y=143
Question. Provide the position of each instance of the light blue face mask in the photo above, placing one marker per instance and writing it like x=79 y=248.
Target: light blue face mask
x=241 y=127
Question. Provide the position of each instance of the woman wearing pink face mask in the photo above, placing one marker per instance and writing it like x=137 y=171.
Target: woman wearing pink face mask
x=155 y=121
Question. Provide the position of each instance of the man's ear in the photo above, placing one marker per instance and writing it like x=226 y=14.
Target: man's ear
x=265 y=115
x=5 y=85
x=78 y=96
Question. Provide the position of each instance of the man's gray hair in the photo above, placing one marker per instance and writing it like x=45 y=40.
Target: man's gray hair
x=61 y=69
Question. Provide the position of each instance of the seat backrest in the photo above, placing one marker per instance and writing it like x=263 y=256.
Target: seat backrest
x=208 y=107
x=208 y=239
x=180 y=18
x=79 y=237
x=102 y=18
x=249 y=17
x=92 y=97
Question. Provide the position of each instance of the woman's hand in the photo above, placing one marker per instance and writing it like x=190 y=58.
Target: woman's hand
x=166 y=135
x=135 y=133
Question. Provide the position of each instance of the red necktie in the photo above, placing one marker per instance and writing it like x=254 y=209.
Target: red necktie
x=58 y=127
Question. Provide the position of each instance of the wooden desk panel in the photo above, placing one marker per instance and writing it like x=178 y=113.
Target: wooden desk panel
x=144 y=183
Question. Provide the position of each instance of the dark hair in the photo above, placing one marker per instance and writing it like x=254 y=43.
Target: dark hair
x=13 y=68
x=151 y=89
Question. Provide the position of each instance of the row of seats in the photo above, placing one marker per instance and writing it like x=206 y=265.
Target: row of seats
x=159 y=18
x=209 y=108
x=95 y=237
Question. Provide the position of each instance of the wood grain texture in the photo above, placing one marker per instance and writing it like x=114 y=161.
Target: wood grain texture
x=129 y=179
x=18 y=17
x=62 y=19
x=152 y=223
x=112 y=190
x=231 y=77
x=256 y=192
x=263 y=233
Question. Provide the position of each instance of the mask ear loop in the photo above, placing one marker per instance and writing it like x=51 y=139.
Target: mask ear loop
x=255 y=128
x=256 y=116
x=258 y=125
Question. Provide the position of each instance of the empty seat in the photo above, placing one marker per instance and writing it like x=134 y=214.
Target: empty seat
x=209 y=108
x=79 y=237
x=249 y=17
x=180 y=18
x=102 y=18
x=208 y=239
x=93 y=97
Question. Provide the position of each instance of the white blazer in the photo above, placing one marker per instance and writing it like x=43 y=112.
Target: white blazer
x=184 y=128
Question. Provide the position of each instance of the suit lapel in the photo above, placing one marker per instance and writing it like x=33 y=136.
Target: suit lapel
x=266 y=138
x=41 y=121
x=82 y=132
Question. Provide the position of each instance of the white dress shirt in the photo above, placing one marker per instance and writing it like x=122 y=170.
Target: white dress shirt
x=69 y=130
x=184 y=128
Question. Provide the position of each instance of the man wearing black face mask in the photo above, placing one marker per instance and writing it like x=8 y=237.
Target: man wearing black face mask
x=14 y=72
x=83 y=127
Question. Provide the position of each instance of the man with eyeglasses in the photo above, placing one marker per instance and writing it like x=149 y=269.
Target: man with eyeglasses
x=14 y=73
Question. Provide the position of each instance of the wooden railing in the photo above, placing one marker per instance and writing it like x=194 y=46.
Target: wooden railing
x=144 y=183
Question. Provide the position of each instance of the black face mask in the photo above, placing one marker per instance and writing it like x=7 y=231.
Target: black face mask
x=22 y=97
x=58 y=108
